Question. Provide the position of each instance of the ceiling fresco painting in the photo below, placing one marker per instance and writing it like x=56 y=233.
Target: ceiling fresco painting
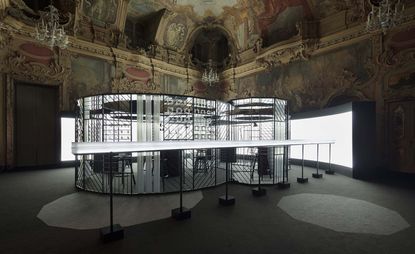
x=248 y=21
x=203 y=8
x=101 y=12
x=138 y=8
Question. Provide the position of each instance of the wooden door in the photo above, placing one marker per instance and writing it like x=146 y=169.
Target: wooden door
x=401 y=136
x=36 y=125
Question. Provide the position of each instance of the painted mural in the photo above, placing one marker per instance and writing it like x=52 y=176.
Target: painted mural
x=402 y=80
x=279 y=19
x=311 y=84
x=174 y=85
x=402 y=41
x=101 y=12
x=325 y=8
x=89 y=76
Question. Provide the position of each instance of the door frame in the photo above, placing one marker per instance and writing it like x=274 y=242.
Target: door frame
x=12 y=116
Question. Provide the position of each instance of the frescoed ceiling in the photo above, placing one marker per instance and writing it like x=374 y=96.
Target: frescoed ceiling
x=273 y=20
x=171 y=23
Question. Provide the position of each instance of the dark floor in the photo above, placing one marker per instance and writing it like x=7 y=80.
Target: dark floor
x=253 y=225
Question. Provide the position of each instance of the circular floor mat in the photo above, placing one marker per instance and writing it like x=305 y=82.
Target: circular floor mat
x=84 y=210
x=343 y=214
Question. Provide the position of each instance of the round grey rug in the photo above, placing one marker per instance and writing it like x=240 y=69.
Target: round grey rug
x=343 y=214
x=84 y=210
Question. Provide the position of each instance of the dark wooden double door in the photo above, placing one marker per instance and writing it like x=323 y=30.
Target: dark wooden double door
x=36 y=125
x=401 y=135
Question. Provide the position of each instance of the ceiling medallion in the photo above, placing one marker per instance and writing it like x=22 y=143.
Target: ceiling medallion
x=385 y=14
x=49 y=31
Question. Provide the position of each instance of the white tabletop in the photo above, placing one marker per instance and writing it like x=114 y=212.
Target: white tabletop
x=120 y=147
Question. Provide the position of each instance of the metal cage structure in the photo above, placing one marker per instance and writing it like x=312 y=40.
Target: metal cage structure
x=158 y=117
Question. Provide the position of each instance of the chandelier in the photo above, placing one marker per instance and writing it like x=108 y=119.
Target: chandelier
x=49 y=31
x=210 y=75
x=385 y=14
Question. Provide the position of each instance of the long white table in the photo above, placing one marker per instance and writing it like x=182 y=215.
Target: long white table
x=122 y=147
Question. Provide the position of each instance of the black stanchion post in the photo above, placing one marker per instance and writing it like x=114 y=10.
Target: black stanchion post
x=258 y=192
x=330 y=171
x=302 y=179
x=181 y=213
x=227 y=155
x=111 y=198
x=284 y=184
x=317 y=174
x=113 y=232
x=227 y=179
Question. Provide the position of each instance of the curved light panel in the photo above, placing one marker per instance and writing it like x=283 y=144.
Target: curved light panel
x=336 y=127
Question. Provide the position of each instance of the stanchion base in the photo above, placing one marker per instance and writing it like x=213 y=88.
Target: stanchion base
x=259 y=192
x=116 y=234
x=330 y=172
x=317 y=175
x=181 y=214
x=226 y=202
x=283 y=185
x=302 y=180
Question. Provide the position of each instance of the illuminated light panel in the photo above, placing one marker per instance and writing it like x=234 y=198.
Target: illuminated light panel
x=336 y=127
x=67 y=137
x=122 y=147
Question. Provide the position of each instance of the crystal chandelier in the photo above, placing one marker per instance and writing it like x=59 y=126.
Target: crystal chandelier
x=210 y=75
x=385 y=14
x=49 y=31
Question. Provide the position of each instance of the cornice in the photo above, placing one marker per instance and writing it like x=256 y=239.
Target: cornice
x=304 y=49
x=298 y=48
x=78 y=46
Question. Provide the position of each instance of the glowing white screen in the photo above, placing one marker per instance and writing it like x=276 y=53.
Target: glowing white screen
x=67 y=137
x=337 y=127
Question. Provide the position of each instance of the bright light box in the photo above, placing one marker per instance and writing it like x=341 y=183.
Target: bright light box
x=336 y=127
x=352 y=126
x=67 y=137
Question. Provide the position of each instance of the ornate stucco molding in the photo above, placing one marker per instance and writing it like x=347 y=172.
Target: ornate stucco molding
x=126 y=85
x=300 y=50
x=19 y=67
x=5 y=35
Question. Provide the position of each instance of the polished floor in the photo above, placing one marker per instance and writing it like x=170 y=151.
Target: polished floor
x=253 y=225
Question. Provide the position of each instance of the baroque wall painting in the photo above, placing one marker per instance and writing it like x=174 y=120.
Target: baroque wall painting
x=173 y=85
x=89 y=76
x=138 y=8
x=101 y=12
x=325 y=8
x=246 y=87
x=402 y=80
x=279 y=18
x=311 y=84
x=400 y=54
x=402 y=41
